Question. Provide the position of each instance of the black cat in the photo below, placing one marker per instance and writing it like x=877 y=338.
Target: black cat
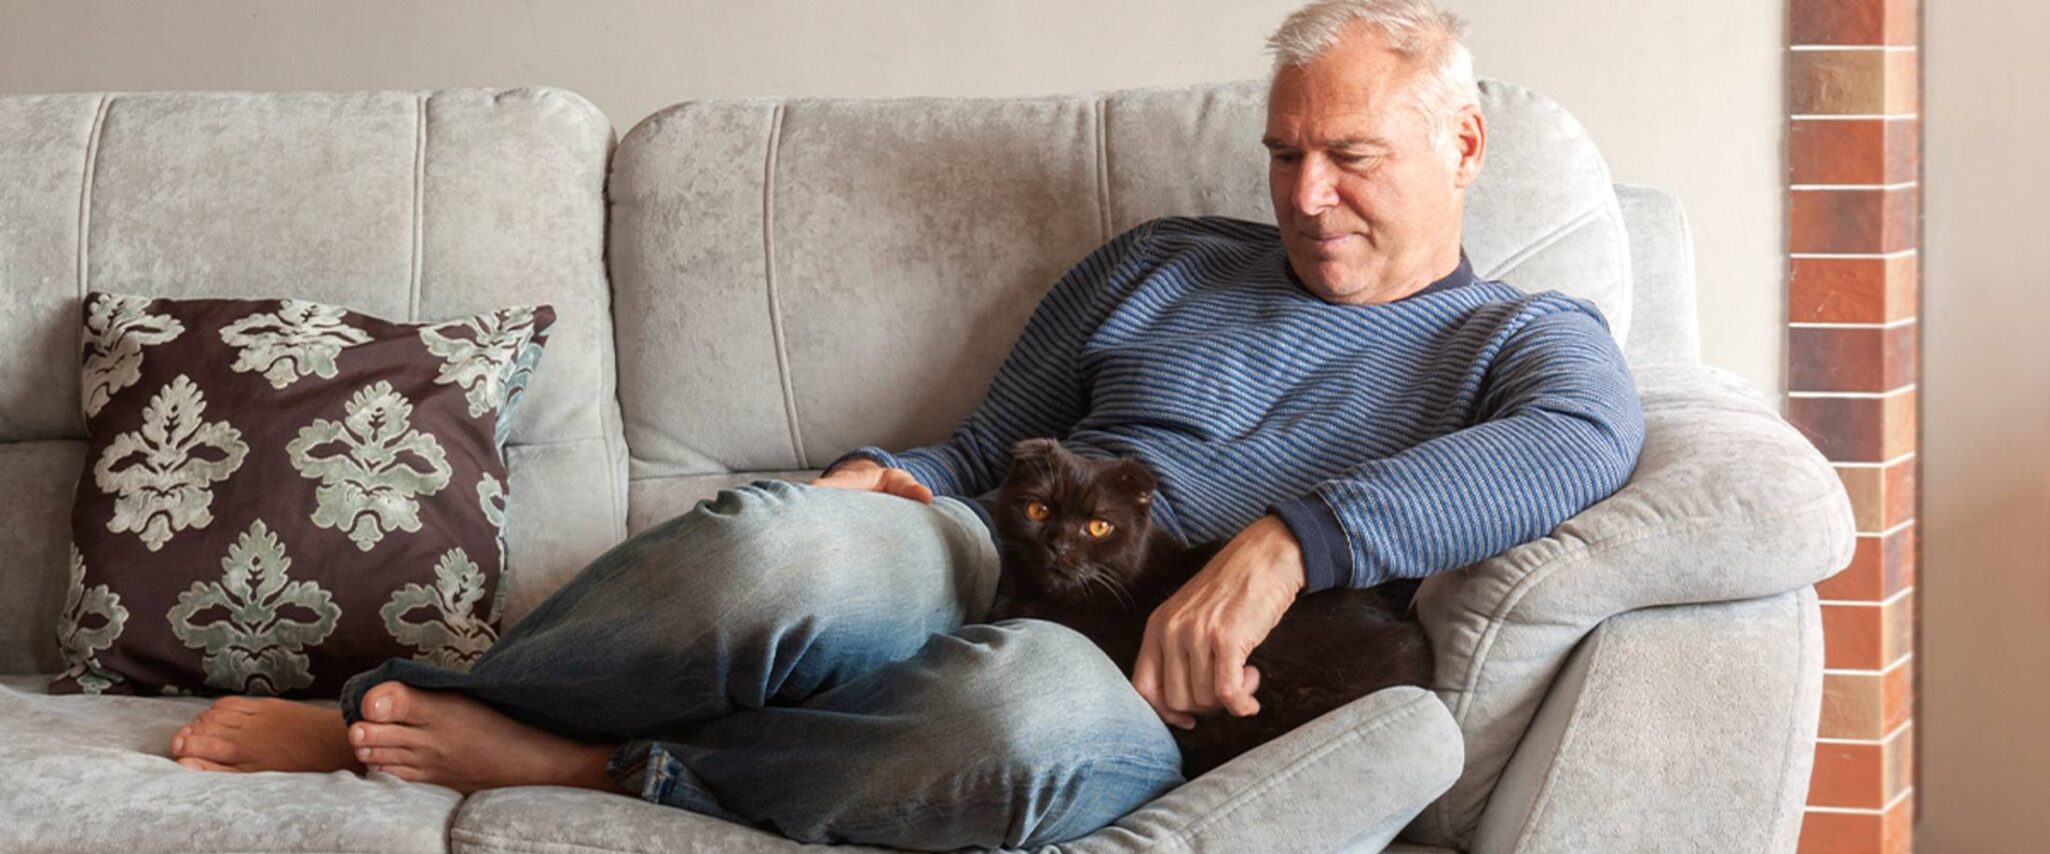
x=1079 y=550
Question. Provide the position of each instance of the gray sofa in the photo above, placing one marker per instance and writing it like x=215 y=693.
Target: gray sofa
x=747 y=288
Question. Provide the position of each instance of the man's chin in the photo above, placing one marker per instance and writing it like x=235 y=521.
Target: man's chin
x=1329 y=278
x=1329 y=288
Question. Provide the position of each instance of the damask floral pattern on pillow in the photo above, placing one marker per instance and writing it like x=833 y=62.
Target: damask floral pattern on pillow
x=279 y=494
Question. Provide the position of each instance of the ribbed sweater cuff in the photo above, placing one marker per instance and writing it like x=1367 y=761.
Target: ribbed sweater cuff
x=1327 y=558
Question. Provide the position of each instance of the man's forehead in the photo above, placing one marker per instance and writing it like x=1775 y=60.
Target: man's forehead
x=1333 y=122
x=1313 y=140
x=1354 y=93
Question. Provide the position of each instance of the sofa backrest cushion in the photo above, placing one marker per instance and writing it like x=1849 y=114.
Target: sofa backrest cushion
x=405 y=205
x=795 y=278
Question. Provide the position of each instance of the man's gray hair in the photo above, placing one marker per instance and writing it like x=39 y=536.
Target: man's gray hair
x=1416 y=30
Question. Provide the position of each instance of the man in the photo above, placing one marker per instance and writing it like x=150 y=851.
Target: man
x=1338 y=396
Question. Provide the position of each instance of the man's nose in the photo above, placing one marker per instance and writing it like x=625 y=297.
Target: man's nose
x=1314 y=190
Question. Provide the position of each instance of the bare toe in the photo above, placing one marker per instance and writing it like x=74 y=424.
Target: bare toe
x=364 y=734
x=385 y=756
x=407 y=773
x=181 y=742
x=212 y=749
x=197 y=764
x=392 y=702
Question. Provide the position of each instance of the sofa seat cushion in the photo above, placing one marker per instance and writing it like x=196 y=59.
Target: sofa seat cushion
x=557 y=820
x=92 y=773
x=1348 y=780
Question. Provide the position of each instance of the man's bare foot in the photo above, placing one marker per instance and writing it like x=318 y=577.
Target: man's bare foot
x=264 y=734
x=445 y=738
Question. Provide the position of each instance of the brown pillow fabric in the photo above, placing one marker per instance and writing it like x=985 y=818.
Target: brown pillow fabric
x=279 y=494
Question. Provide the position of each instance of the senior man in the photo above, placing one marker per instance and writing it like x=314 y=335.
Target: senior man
x=1338 y=396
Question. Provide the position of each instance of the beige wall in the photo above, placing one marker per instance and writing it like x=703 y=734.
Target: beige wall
x=1985 y=717
x=1679 y=94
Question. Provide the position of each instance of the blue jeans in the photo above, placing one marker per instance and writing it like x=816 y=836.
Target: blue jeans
x=804 y=660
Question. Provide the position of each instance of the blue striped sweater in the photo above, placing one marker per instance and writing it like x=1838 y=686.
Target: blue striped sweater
x=1395 y=440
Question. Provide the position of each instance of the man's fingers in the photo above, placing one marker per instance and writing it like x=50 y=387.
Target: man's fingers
x=1249 y=682
x=1146 y=677
x=1231 y=686
x=1202 y=678
x=900 y=483
x=863 y=478
x=1174 y=677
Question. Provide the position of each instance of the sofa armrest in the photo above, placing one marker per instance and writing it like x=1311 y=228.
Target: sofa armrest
x=1349 y=779
x=1671 y=729
x=1728 y=502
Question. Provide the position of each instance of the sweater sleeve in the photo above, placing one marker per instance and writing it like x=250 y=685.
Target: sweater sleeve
x=1560 y=428
x=1039 y=390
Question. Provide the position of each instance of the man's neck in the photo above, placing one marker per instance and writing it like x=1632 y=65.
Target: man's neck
x=1450 y=274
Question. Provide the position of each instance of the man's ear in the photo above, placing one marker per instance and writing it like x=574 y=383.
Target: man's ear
x=1470 y=140
x=1131 y=477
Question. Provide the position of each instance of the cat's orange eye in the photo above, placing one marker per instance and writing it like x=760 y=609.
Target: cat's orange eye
x=1036 y=511
x=1099 y=528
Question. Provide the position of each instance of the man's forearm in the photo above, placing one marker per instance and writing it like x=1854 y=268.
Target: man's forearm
x=1567 y=436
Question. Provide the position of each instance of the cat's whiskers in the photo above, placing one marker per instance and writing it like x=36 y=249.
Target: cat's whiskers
x=1117 y=591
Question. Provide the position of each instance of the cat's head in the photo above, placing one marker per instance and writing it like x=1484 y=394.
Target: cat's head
x=1071 y=525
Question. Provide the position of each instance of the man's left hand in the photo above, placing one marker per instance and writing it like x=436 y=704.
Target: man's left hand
x=1193 y=658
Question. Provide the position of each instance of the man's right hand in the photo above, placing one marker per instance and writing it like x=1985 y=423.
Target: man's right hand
x=870 y=476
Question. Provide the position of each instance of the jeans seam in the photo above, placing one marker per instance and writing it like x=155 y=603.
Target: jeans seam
x=636 y=769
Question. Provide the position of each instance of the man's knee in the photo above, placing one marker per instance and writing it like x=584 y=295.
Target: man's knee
x=778 y=551
x=1081 y=743
x=768 y=532
x=1061 y=694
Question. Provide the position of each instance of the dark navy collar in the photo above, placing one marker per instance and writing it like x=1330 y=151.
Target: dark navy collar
x=1460 y=276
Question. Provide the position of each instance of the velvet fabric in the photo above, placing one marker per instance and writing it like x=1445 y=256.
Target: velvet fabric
x=279 y=494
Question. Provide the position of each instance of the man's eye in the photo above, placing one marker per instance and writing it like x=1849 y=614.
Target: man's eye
x=1286 y=157
x=1099 y=528
x=1036 y=511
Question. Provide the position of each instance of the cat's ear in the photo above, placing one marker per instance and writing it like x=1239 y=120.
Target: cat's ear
x=1034 y=453
x=1133 y=479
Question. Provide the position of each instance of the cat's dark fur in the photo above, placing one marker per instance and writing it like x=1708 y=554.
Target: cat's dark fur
x=1331 y=647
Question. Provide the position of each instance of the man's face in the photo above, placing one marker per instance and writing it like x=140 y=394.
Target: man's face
x=1369 y=210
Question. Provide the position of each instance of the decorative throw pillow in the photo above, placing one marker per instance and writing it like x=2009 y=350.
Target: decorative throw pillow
x=279 y=494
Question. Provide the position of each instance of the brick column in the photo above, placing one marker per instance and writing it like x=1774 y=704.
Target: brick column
x=1854 y=158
